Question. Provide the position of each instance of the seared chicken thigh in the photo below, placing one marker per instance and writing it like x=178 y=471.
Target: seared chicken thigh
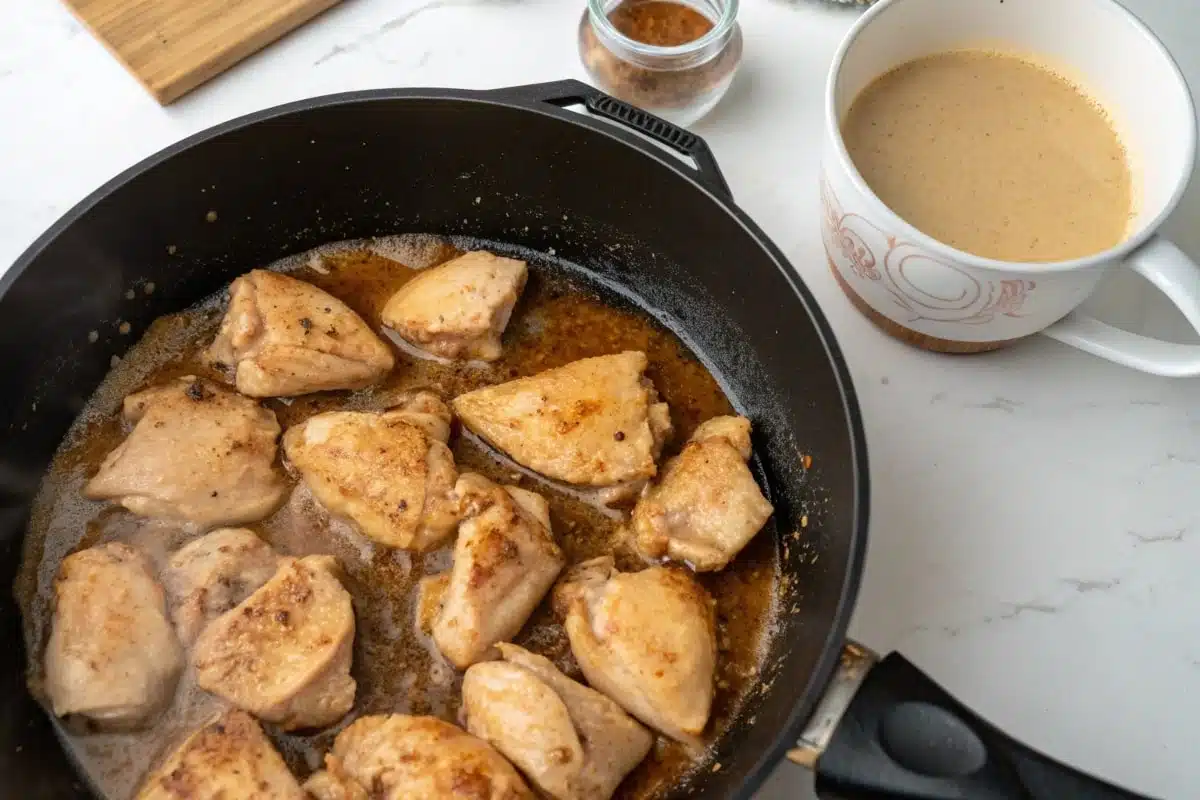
x=706 y=505
x=505 y=560
x=227 y=759
x=282 y=336
x=646 y=639
x=594 y=422
x=458 y=309
x=398 y=757
x=390 y=473
x=284 y=653
x=572 y=742
x=198 y=453
x=112 y=656
x=212 y=574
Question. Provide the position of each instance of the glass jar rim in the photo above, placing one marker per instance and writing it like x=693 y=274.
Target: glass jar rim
x=721 y=27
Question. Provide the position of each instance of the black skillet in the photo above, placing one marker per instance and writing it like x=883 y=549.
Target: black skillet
x=604 y=192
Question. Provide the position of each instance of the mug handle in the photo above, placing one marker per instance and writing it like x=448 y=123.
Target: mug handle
x=1176 y=276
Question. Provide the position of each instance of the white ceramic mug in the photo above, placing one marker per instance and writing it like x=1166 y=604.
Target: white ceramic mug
x=937 y=297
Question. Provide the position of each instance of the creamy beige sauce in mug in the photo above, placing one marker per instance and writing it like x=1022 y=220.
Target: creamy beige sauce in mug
x=993 y=155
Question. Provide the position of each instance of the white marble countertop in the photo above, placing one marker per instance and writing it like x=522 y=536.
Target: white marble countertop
x=1035 y=540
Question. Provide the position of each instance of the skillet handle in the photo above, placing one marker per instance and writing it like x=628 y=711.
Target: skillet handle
x=572 y=92
x=900 y=735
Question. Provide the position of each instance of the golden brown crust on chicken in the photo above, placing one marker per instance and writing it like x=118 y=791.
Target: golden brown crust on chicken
x=284 y=653
x=458 y=309
x=571 y=741
x=227 y=759
x=705 y=506
x=282 y=337
x=399 y=757
x=505 y=560
x=210 y=575
x=383 y=471
x=646 y=639
x=593 y=422
x=198 y=453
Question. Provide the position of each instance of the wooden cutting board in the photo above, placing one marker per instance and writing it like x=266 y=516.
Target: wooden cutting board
x=172 y=46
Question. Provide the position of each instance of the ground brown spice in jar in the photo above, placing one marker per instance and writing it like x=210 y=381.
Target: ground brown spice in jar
x=659 y=22
x=657 y=81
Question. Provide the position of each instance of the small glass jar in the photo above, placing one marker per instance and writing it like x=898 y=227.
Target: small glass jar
x=680 y=83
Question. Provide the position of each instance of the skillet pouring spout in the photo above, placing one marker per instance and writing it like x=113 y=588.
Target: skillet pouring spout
x=885 y=729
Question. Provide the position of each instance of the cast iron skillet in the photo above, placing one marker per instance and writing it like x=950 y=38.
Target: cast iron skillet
x=513 y=165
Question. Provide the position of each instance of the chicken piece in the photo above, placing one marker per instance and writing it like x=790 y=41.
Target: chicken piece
x=386 y=472
x=398 y=757
x=284 y=653
x=282 y=337
x=458 y=309
x=198 y=454
x=424 y=410
x=212 y=574
x=646 y=639
x=505 y=560
x=706 y=505
x=112 y=656
x=227 y=758
x=572 y=742
x=325 y=785
x=594 y=422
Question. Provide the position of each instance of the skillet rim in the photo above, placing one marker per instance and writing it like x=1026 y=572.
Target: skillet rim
x=517 y=97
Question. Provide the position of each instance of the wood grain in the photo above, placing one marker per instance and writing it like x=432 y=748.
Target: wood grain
x=173 y=46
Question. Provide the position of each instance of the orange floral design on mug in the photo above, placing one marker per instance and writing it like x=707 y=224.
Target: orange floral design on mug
x=925 y=287
x=856 y=251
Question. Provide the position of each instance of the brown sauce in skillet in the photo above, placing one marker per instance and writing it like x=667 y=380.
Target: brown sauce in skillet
x=397 y=667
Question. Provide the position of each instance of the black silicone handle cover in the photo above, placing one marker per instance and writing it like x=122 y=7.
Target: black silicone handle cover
x=682 y=141
x=903 y=736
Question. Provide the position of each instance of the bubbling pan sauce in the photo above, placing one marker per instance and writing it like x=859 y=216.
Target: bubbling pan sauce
x=398 y=669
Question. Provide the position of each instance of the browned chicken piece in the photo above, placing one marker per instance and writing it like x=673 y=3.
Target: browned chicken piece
x=284 y=653
x=390 y=473
x=112 y=656
x=646 y=639
x=325 y=785
x=505 y=560
x=571 y=742
x=282 y=337
x=594 y=422
x=198 y=453
x=427 y=411
x=398 y=757
x=458 y=309
x=212 y=574
x=226 y=759
x=705 y=506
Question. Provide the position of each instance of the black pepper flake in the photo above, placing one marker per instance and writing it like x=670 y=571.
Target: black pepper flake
x=219 y=728
x=281 y=617
x=327 y=310
x=404 y=505
x=197 y=391
x=306 y=323
x=332 y=332
x=619 y=436
x=214 y=494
